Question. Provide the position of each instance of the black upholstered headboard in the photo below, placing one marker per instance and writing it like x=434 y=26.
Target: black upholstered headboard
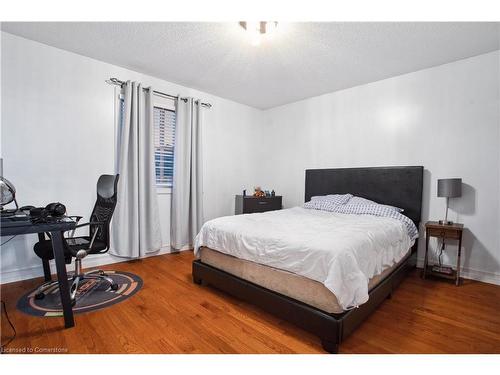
x=395 y=186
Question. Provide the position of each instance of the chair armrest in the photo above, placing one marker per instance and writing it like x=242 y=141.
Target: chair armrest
x=77 y=219
x=84 y=225
x=90 y=223
x=95 y=233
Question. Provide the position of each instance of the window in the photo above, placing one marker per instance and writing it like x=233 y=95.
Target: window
x=164 y=123
x=164 y=138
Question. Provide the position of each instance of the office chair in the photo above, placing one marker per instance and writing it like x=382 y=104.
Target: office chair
x=97 y=241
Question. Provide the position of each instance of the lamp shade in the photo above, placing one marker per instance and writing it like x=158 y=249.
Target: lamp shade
x=450 y=187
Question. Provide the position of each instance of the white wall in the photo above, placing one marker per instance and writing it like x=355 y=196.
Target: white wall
x=58 y=137
x=444 y=118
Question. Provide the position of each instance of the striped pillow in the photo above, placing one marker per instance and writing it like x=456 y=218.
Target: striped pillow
x=363 y=201
x=317 y=202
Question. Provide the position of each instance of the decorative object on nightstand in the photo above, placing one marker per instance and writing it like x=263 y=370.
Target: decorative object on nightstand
x=258 y=192
x=251 y=204
x=443 y=232
x=449 y=188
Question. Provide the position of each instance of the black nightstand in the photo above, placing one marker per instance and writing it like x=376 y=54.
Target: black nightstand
x=454 y=232
x=249 y=204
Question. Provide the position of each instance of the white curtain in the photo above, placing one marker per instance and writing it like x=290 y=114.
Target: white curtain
x=136 y=223
x=187 y=192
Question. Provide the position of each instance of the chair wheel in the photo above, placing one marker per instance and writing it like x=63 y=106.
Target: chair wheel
x=40 y=296
x=114 y=286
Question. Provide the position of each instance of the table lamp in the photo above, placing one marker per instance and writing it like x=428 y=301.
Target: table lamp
x=449 y=188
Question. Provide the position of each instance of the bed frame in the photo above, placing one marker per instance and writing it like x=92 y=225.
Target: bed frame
x=395 y=186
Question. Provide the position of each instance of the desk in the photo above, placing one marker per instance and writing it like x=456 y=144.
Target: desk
x=56 y=230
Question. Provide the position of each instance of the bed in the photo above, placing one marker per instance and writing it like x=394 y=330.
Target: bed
x=312 y=297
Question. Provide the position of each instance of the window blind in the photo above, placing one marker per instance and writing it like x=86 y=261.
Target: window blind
x=164 y=124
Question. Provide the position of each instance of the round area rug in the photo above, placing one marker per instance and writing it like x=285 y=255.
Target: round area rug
x=92 y=295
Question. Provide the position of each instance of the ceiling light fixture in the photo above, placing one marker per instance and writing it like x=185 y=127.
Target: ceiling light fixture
x=258 y=30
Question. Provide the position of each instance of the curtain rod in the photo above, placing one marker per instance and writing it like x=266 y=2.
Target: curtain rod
x=117 y=82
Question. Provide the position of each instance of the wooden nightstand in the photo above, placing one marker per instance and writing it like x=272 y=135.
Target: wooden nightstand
x=249 y=204
x=454 y=232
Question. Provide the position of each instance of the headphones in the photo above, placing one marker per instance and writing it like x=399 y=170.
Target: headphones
x=56 y=209
x=52 y=210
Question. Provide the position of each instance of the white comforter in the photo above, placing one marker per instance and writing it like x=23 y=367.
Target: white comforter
x=342 y=251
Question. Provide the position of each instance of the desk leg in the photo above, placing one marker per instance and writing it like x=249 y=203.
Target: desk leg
x=62 y=277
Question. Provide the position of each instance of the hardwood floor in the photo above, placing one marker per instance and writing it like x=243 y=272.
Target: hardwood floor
x=173 y=315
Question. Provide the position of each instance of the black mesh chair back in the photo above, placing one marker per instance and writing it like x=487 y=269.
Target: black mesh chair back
x=104 y=207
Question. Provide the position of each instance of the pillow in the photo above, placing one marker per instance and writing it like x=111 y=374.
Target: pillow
x=363 y=202
x=333 y=198
x=320 y=201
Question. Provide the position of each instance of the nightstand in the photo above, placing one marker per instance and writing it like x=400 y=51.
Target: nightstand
x=453 y=232
x=249 y=204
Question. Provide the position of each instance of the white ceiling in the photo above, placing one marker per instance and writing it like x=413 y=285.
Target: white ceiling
x=300 y=61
